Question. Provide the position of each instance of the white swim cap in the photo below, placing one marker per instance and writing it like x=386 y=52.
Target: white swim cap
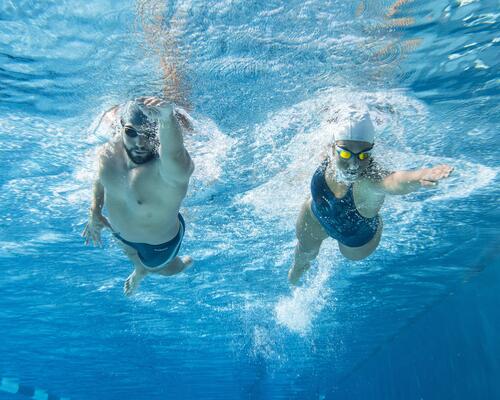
x=359 y=127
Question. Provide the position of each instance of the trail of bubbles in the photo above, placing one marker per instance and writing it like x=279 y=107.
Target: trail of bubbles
x=298 y=311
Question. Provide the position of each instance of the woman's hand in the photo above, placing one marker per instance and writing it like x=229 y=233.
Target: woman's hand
x=431 y=176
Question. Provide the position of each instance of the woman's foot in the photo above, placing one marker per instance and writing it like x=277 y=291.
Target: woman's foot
x=296 y=272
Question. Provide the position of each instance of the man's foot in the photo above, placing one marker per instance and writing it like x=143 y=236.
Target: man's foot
x=132 y=283
x=296 y=272
x=187 y=261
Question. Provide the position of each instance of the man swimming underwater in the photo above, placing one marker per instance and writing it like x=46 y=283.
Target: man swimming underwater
x=347 y=192
x=143 y=176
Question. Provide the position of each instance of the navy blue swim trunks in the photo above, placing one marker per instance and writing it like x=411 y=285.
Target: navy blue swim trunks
x=157 y=255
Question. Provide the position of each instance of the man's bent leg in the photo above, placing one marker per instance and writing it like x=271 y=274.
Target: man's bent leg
x=135 y=278
x=310 y=236
x=177 y=265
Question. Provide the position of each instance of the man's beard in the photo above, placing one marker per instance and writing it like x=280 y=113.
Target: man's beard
x=151 y=155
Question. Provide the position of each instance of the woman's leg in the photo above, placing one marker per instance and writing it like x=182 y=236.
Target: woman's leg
x=358 y=253
x=310 y=235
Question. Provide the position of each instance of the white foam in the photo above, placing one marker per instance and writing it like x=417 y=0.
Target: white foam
x=264 y=343
x=208 y=147
x=51 y=237
x=297 y=312
x=10 y=249
x=110 y=284
x=465 y=180
x=462 y=3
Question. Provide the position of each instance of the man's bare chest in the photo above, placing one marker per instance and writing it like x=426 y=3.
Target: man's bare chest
x=139 y=186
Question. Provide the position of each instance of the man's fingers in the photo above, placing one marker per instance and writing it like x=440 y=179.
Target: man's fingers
x=154 y=101
x=155 y=108
x=151 y=102
x=151 y=112
x=144 y=107
x=105 y=222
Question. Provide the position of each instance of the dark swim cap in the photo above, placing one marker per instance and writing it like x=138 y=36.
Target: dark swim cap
x=133 y=115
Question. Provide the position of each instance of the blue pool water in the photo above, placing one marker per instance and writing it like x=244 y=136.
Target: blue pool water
x=267 y=79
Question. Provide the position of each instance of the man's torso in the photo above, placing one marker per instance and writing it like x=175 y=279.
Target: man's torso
x=141 y=205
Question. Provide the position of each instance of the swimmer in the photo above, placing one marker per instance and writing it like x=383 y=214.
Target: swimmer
x=143 y=177
x=347 y=192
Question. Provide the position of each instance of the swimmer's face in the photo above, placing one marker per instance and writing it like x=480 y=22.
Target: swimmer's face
x=141 y=143
x=352 y=157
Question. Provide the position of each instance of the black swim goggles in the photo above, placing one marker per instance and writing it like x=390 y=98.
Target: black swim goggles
x=131 y=132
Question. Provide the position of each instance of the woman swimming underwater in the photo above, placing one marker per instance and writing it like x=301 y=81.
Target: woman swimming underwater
x=347 y=192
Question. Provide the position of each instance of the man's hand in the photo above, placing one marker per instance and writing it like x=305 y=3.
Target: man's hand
x=93 y=228
x=155 y=108
x=430 y=176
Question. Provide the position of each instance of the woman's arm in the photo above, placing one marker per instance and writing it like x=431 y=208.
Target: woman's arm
x=404 y=182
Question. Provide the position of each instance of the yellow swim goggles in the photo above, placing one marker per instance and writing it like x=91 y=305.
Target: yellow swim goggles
x=347 y=154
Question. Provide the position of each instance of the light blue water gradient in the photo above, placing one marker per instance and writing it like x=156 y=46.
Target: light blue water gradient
x=418 y=319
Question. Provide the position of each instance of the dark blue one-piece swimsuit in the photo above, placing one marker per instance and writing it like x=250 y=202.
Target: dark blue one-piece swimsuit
x=339 y=217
